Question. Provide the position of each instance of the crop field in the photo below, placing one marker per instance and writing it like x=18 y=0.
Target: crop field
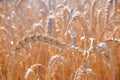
x=59 y=39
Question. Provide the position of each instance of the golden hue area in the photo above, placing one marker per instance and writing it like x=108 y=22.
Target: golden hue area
x=60 y=40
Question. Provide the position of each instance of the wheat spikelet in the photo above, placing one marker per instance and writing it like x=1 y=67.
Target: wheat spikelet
x=49 y=4
x=18 y=2
x=84 y=26
x=6 y=30
x=77 y=18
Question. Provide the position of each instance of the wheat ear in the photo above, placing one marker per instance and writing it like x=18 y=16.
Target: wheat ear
x=48 y=40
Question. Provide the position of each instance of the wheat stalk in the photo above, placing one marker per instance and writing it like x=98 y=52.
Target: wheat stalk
x=84 y=72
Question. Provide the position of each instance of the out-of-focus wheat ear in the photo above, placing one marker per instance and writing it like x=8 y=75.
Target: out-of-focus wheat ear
x=17 y=2
x=92 y=15
x=103 y=49
x=73 y=36
x=98 y=17
x=54 y=59
x=49 y=4
x=30 y=70
x=67 y=14
x=115 y=10
x=107 y=14
x=50 y=25
x=75 y=17
x=36 y=28
x=114 y=41
x=115 y=5
x=85 y=73
x=54 y=62
x=65 y=2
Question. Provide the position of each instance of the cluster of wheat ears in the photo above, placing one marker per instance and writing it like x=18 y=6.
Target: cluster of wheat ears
x=59 y=39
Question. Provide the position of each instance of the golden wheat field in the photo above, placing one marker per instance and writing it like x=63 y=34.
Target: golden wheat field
x=59 y=39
